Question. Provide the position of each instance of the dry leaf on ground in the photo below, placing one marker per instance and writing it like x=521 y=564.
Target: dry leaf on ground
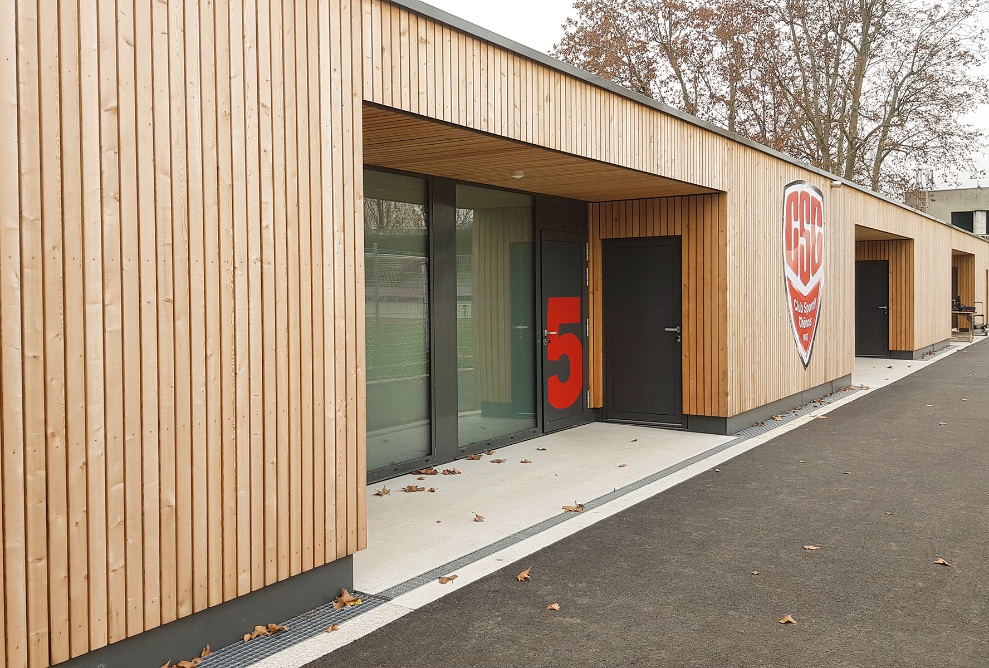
x=821 y=417
x=384 y=491
x=941 y=562
x=189 y=664
x=275 y=628
x=578 y=508
x=621 y=466
x=413 y=488
x=754 y=573
x=942 y=424
x=930 y=405
x=526 y=461
x=332 y=627
x=553 y=606
x=788 y=619
x=811 y=547
x=887 y=513
x=524 y=575
x=541 y=449
x=473 y=458
x=478 y=518
x=426 y=471
x=489 y=452
x=345 y=599
x=206 y=652
x=451 y=472
x=497 y=461
x=432 y=489
x=448 y=578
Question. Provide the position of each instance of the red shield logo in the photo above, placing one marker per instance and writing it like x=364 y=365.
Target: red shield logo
x=803 y=261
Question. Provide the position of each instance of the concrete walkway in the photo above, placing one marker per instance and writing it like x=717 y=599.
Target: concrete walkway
x=881 y=487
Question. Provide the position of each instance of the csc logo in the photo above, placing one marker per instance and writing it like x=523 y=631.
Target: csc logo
x=803 y=261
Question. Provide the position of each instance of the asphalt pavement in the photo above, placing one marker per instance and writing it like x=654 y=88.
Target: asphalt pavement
x=701 y=574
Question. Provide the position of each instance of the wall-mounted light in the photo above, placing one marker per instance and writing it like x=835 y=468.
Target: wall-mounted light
x=836 y=183
x=518 y=174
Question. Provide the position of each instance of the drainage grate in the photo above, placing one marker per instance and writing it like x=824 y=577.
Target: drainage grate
x=311 y=624
x=305 y=626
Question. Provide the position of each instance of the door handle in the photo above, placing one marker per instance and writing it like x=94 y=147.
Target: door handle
x=677 y=329
x=546 y=335
x=885 y=308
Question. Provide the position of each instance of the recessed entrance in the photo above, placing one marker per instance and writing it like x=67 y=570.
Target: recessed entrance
x=642 y=330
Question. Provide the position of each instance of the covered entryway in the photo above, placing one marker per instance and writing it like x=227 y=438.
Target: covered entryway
x=642 y=330
x=884 y=294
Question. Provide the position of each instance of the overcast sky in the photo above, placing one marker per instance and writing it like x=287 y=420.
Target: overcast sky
x=538 y=25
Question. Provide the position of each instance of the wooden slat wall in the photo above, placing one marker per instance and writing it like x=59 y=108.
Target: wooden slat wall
x=701 y=222
x=181 y=280
x=899 y=254
x=966 y=277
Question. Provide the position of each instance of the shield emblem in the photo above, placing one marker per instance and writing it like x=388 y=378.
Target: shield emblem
x=803 y=261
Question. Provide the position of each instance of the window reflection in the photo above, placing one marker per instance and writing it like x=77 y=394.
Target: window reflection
x=396 y=274
x=495 y=314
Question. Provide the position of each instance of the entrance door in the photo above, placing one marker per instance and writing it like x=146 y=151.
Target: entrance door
x=642 y=330
x=872 y=308
x=563 y=267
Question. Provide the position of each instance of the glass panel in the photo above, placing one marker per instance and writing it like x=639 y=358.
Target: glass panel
x=396 y=275
x=496 y=362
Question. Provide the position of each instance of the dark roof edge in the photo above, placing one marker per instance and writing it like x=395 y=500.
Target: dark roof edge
x=465 y=26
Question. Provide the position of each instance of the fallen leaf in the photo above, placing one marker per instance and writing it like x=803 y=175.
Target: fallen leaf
x=811 y=547
x=426 y=471
x=621 y=466
x=206 y=652
x=489 y=452
x=778 y=418
x=275 y=628
x=759 y=424
x=524 y=575
x=451 y=472
x=497 y=461
x=887 y=513
x=384 y=491
x=168 y=664
x=847 y=473
x=447 y=578
x=421 y=478
x=473 y=457
x=332 y=627
x=553 y=606
x=413 y=488
x=478 y=518
x=432 y=489
x=754 y=573
x=247 y=636
x=343 y=600
x=788 y=619
x=633 y=440
x=541 y=449
x=526 y=461
x=942 y=424
x=188 y=664
x=821 y=417
x=578 y=508
x=802 y=461
x=941 y=562
x=717 y=470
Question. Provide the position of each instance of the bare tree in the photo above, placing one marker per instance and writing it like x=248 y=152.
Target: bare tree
x=867 y=89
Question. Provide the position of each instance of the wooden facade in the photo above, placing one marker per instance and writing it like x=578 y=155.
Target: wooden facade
x=181 y=278
x=180 y=339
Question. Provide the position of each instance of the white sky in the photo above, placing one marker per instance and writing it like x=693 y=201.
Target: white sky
x=538 y=25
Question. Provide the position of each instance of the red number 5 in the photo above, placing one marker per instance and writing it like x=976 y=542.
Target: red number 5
x=561 y=311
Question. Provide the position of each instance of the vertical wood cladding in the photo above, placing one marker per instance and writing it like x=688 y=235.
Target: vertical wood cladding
x=700 y=221
x=181 y=348
x=899 y=254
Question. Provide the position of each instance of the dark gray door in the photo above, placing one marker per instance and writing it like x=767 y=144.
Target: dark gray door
x=642 y=335
x=562 y=273
x=872 y=308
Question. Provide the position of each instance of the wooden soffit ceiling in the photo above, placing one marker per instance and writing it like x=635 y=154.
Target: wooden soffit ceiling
x=863 y=233
x=397 y=140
